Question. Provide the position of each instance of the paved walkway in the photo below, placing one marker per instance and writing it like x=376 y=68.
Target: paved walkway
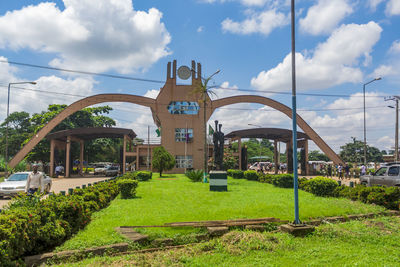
x=62 y=184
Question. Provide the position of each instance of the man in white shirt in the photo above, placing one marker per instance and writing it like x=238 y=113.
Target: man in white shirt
x=363 y=170
x=35 y=181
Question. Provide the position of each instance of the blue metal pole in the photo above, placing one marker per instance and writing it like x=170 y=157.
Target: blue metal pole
x=294 y=120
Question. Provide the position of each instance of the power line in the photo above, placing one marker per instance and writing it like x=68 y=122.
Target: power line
x=159 y=81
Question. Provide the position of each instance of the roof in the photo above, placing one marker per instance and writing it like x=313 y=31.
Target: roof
x=282 y=135
x=92 y=133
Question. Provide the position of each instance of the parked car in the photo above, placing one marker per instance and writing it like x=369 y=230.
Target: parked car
x=100 y=169
x=255 y=165
x=16 y=183
x=112 y=171
x=388 y=175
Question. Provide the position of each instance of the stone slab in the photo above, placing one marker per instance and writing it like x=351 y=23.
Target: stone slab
x=132 y=235
x=217 y=231
x=298 y=230
x=255 y=227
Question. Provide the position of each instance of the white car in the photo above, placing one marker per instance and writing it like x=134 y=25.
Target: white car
x=16 y=183
x=101 y=169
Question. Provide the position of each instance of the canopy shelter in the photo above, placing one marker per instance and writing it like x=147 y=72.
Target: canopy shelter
x=63 y=139
x=278 y=135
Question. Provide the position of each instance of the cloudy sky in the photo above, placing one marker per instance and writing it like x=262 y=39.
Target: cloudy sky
x=341 y=44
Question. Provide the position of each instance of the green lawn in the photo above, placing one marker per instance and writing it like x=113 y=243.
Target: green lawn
x=372 y=242
x=175 y=199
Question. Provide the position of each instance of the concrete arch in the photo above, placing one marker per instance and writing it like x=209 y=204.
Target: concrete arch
x=74 y=107
x=284 y=109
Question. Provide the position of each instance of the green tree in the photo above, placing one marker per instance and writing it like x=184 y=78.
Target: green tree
x=354 y=152
x=162 y=160
x=315 y=155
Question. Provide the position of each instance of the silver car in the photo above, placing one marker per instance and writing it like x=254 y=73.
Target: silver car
x=388 y=175
x=16 y=183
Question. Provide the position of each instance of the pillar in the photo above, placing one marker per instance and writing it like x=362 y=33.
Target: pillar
x=82 y=146
x=68 y=157
x=276 y=156
x=52 y=146
x=240 y=153
x=306 y=151
x=124 y=154
x=137 y=158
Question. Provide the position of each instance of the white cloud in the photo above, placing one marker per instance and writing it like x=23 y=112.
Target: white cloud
x=124 y=39
x=374 y=3
x=200 y=29
x=386 y=142
x=152 y=93
x=395 y=48
x=332 y=63
x=257 y=22
x=392 y=66
x=323 y=17
x=393 y=7
x=26 y=97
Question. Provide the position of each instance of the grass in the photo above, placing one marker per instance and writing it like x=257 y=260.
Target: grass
x=372 y=242
x=174 y=198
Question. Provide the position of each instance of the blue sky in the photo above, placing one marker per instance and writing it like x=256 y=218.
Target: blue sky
x=341 y=44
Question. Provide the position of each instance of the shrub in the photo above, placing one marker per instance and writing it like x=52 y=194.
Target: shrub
x=162 y=160
x=30 y=226
x=127 y=187
x=321 y=186
x=283 y=180
x=129 y=175
x=302 y=182
x=266 y=178
x=251 y=175
x=236 y=174
x=143 y=175
x=195 y=175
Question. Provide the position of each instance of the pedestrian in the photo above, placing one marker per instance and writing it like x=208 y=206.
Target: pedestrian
x=340 y=171
x=329 y=170
x=363 y=170
x=35 y=181
x=58 y=170
x=347 y=171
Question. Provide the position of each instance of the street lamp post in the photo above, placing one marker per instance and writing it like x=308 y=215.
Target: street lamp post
x=204 y=92
x=396 y=133
x=365 y=127
x=8 y=113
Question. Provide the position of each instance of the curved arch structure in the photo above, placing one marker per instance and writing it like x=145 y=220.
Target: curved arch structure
x=74 y=107
x=284 y=109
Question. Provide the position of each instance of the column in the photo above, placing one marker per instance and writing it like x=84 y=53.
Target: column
x=68 y=156
x=82 y=146
x=124 y=155
x=240 y=152
x=276 y=156
x=306 y=151
x=52 y=146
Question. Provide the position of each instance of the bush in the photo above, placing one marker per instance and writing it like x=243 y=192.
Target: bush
x=236 y=174
x=321 y=186
x=195 y=175
x=30 y=225
x=302 y=182
x=251 y=175
x=283 y=180
x=143 y=175
x=266 y=178
x=127 y=187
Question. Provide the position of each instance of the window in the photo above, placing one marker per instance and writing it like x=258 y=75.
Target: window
x=393 y=171
x=381 y=171
x=182 y=162
x=183 y=107
x=183 y=135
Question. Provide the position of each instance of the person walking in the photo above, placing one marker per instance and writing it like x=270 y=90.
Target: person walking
x=35 y=181
x=363 y=170
x=329 y=170
x=347 y=171
x=340 y=171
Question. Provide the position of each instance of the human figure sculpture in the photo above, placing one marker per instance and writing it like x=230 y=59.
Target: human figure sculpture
x=218 y=139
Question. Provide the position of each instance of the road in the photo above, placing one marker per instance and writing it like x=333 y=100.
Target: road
x=62 y=184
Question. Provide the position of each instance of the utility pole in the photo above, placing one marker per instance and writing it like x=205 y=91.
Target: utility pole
x=396 y=132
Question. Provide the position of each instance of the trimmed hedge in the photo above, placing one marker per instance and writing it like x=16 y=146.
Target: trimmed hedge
x=143 y=175
x=283 y=180
x=127 y=187
x=251 y=175
x=236 y=174
x=31 y=226
x=320 y=186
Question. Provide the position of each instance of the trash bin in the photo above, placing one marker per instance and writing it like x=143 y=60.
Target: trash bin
x=218 y=181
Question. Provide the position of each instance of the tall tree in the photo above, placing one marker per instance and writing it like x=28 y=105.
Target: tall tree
x=315 y=155
x=354 y=152
x=162 y=160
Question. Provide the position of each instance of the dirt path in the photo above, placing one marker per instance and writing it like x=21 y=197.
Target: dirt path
x=62 y=184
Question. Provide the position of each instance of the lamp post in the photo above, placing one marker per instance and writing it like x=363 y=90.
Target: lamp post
x=204 y=87
x=365 y=127
x=396 y=133
x=8 y=113
x=250 y=124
